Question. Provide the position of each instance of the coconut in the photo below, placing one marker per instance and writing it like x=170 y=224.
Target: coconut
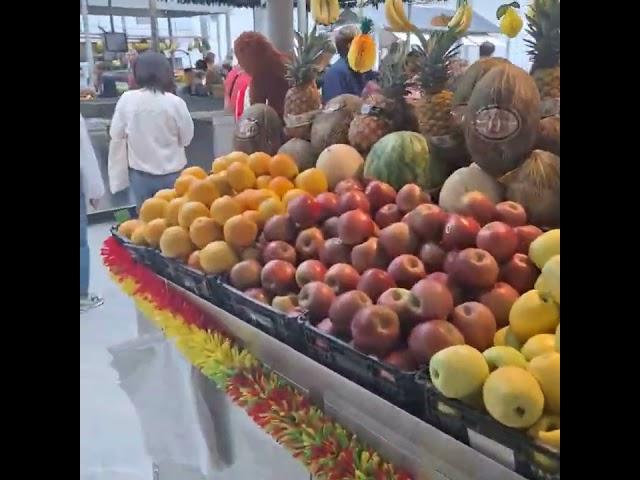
x=549 y=135
x=469 y=179
x=471 y=76
x=501 y=119
x=536 y=186
x=331 y=125
x=259 y=129
x=301 y=151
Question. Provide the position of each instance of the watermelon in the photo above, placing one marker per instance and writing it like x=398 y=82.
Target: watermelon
x=403 y=157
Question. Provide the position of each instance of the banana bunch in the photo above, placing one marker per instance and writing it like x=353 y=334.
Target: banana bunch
x=325 y=12
x=461 y=21
x=394 y=12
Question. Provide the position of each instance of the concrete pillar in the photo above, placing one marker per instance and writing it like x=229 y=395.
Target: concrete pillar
x=218 y=37
x=204 y=27
x=302 y=17
x=227 y=30
x=84 y=9
x=280 y=24
x=153 y=17
x=260 y=20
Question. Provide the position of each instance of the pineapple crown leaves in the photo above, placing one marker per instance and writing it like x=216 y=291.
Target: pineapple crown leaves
x=366 y=26
x=544 y=30
x=393 y=75
x=307 y=50
x=439 y=50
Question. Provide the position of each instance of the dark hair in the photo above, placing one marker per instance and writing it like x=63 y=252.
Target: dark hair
x=343 y=40
x=487 y=49
x=201 y=65
x=152 y=70
x=210 y=57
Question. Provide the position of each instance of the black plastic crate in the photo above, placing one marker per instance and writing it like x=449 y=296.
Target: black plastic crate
x=163 y=266
x=476 y=428
x=284 y=327
x=140 y=253
x=195 y=281
x=389 y=382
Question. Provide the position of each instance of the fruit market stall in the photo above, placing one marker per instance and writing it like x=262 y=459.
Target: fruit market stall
x=377 y=282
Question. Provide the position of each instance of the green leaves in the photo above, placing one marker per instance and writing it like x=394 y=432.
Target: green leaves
x=502 y=9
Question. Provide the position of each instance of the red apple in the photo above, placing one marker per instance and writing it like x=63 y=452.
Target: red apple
x=335 y=251
x=475 y=268
x=379 y=194
x=499 y=239
x=257 y=294
x=431 y=300
x=344 y=308
x=427 y=221
x=374 y=282
x=397 y=239
x=459 y=232
x=353 y=200
x=499 y=300
x=354 y=227
x=519 y=272
x=328 y=204
x=449 y=261
x=280 y=227
x=304 y=210
x=526 y=234
x=406 y=270
x=279 y=250
x=309 y=243
x=375 y=330
x=347 y=185
x=368 y=255
x=476 y=323
x=401 y=359
x=511 y=213
x=245 y=274
x=285 y=303
x=330 y=227
x=399 y=300
x=342 y=277
x=477 y=205
x=410 y=196
x=388 y=214
x=428 y=338
x=316 y=298
x=439 y=277
x=278 y=277
x=310 y=271
x=433 y=256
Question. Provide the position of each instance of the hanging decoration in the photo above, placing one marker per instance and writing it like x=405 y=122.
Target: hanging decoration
x=362 y=52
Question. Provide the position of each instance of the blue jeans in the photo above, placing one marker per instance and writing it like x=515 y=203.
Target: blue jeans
x=84 y=249
x=145 y=185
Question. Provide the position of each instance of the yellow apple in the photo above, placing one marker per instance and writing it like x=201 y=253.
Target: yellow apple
x=533 y=313
x=546 y=370
x=538 y=345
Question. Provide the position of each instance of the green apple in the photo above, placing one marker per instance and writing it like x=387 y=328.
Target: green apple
x=538 y=345
x=458 y=371
x=505 y=338
x=502 y=356
x=513 y=397
x=546 y=370
x=544 y=247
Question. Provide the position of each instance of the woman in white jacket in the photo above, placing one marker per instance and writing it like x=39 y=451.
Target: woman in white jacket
x=149 y=131
x=91 y=187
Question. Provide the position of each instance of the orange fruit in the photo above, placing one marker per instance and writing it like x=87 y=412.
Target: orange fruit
x=197 y=172
x=194 y=260
x=137 y=237
x=263 y=181
x=167 y=194
x=270 y=207
x=203 y=231
x=173 y=209
x=220 y=164
x=127 y=227
x=153 y=208
x=183 y=183
x=283 y=165
x=256 y=197
x=238 y=157
x=291 y=194
x=254 y=216
x=221 y=183
x=240 y=232
x=313 y=181
x=175 y=243
x=189 y=212
x=202 y=191
x=223 y=208
x=217 y=257
x=280 y=185
x=244 y=198
x=240 y=176
x=153 y=231
x=259 y=163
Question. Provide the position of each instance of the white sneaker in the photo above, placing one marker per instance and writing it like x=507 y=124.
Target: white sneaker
x=89 y=302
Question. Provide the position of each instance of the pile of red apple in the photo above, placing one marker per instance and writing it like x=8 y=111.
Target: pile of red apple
x=393 y=273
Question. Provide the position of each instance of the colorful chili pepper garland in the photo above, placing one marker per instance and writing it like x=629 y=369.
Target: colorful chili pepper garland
x=327 y=449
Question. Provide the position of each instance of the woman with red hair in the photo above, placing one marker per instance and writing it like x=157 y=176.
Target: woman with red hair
x=266 y=67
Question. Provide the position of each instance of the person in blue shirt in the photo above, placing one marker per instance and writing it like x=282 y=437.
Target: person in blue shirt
x=339 y=78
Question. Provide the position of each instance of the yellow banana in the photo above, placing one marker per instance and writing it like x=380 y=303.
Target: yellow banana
x=398 y=21
x=390 y=15
x=333 y=8
x=457 y=17
x=467 y=16
x=325 y=12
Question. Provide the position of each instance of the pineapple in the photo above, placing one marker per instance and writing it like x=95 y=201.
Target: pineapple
x=434 y=109
x=384 y=111
x=544 y=30
x=302 y=100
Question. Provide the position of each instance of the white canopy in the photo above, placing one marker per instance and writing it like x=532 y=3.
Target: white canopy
x=140 y=8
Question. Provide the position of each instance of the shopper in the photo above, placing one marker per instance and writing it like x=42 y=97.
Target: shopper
x=105 y=85
x=214 y=75
x=235 y=88
x=340 y=78
x=487 y=49
x=91 y=187
x=149 y=131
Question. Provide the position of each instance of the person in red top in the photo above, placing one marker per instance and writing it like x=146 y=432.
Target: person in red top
x=235 y=88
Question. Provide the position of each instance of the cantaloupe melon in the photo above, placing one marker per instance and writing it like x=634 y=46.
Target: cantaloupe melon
x=175 y=243
x=204 y=230
x=154 y=230
x=137 y=237
x=153 y=208
x=468 y=179
x=217 y=257
x=171 y=215
x=127 y=227
x=338 y=162
x=189 y=212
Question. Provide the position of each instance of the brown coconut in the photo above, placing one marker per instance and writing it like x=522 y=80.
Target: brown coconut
x=259 y=129
x=510 y=91
x=549 y=135
x=472 y=75
x=332 y=124
x=301 y=151
x=536 y=186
